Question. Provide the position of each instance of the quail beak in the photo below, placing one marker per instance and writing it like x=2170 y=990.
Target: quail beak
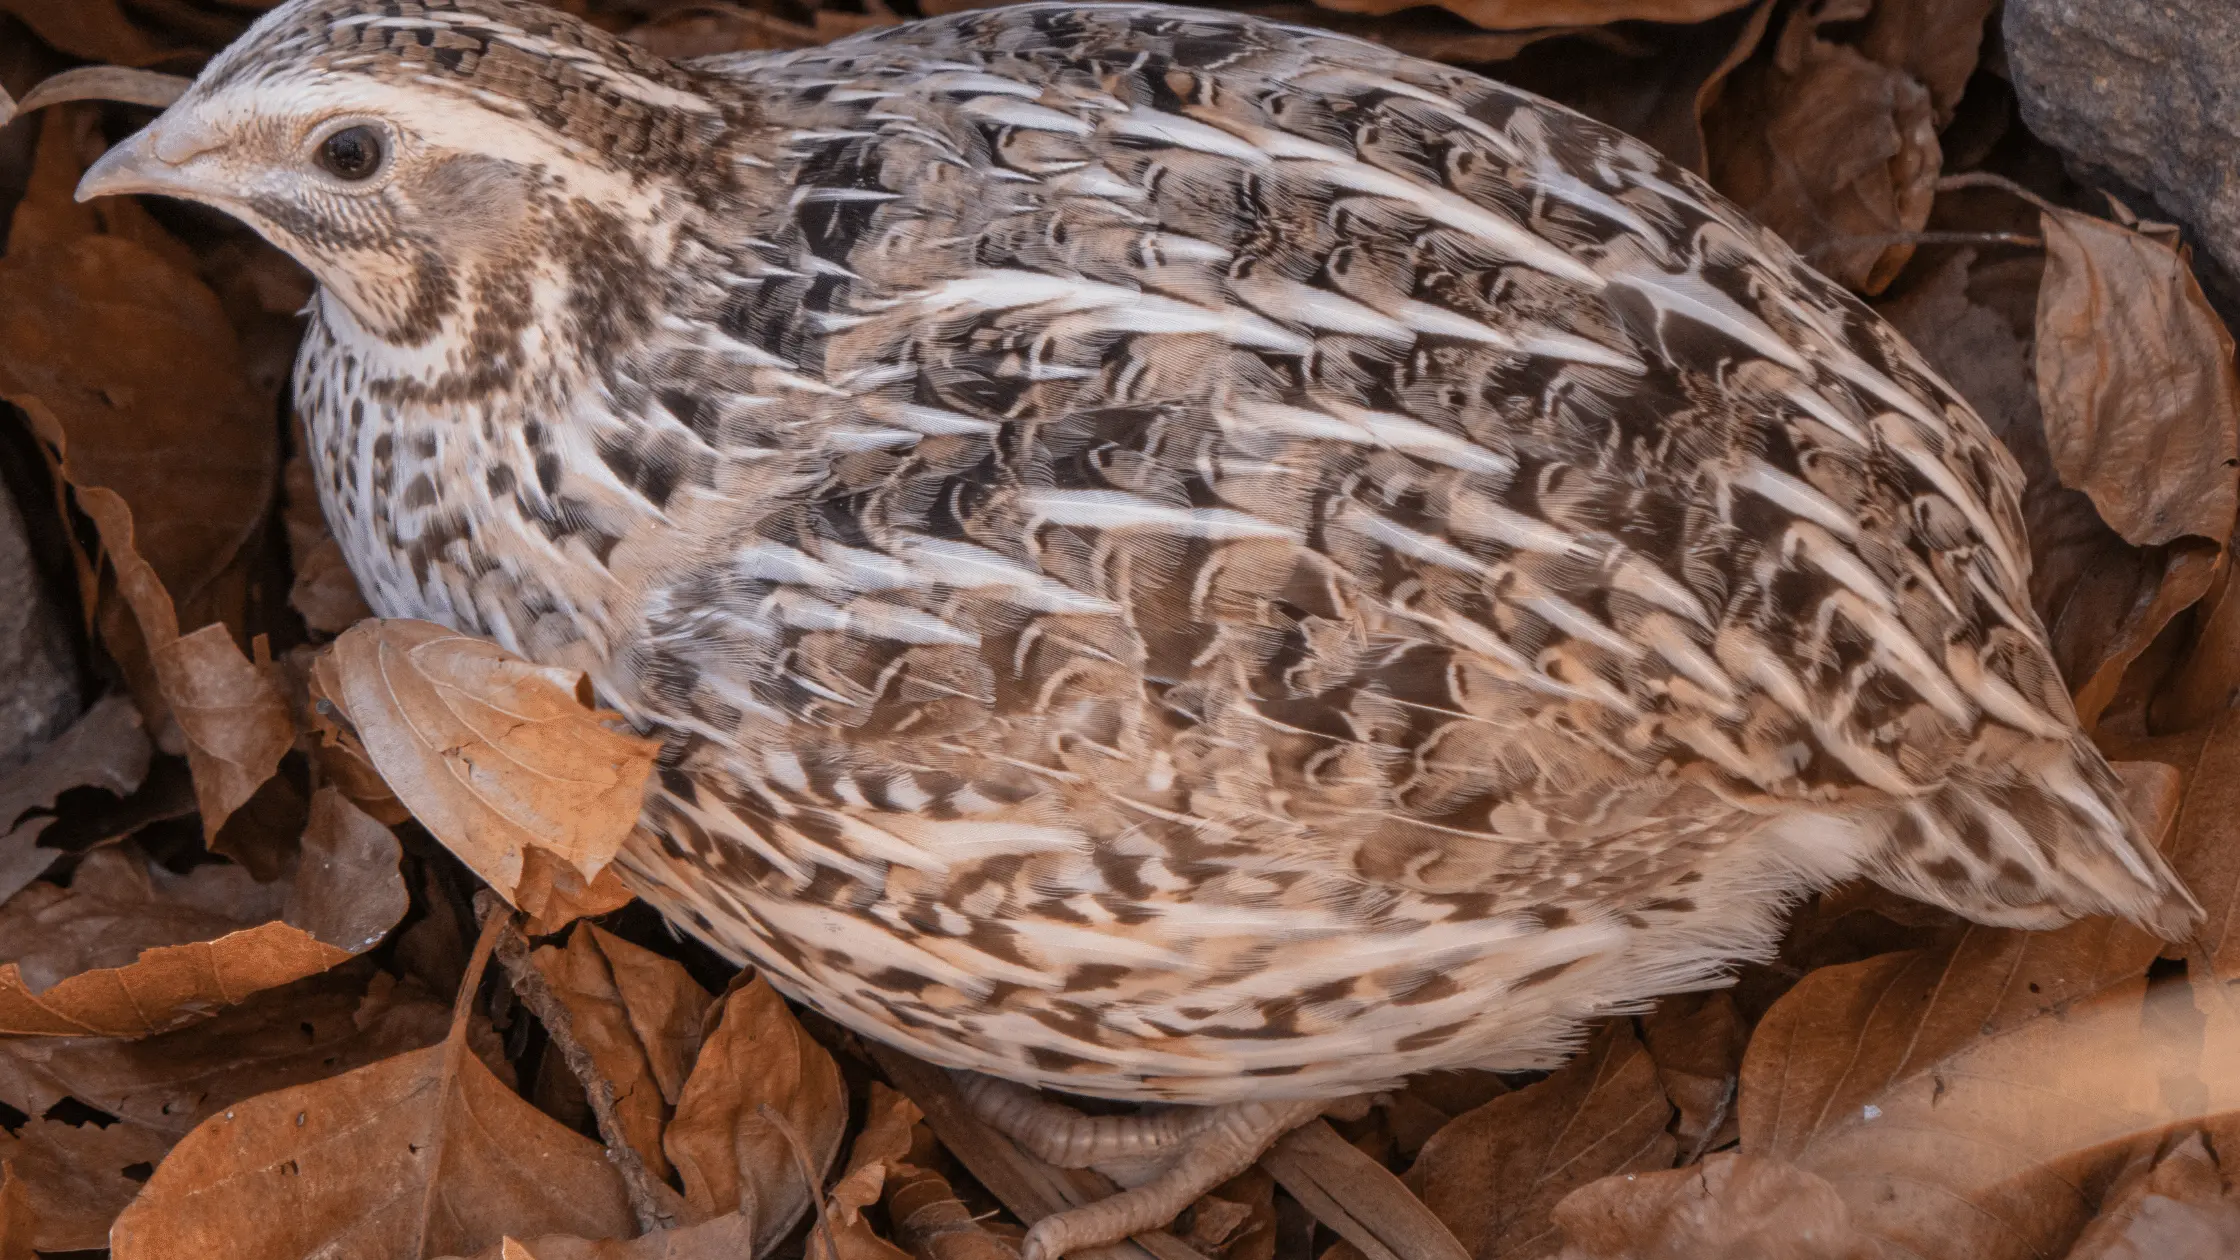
x=155 y=159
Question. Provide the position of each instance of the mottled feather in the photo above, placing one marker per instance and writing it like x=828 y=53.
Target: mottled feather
x=1177 y=556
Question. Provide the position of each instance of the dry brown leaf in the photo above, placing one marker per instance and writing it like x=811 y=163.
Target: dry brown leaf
x=724 y=1238
x=1835 y=152
x=1495 y=1173
x=131 y=949
x=553 y=894
x=1513 y=15
x=629 y=1017
x=2136 y=380
x=96 y=30
x=229 y=712
x=1734 y=1207
x=234 y=716
x=882 y=1145
x=733 y=1159
x=1696 y=1041
x=173 y=426
x=159 y=1088
x=342 y=759
x=493 y=754
x=77 y=1177
x=2170 y=1207
x=424 y=1153
x=1935 y=41
x=16 y=1223
x=105 y=748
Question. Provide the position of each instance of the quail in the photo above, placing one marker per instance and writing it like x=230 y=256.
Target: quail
x=1174 y=557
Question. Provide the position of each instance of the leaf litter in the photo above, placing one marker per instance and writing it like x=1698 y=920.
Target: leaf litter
x=243 y=1002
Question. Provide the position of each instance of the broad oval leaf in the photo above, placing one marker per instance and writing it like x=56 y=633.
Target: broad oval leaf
x=493 y=754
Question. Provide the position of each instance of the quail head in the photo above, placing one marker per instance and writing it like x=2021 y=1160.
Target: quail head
x=1176 y=557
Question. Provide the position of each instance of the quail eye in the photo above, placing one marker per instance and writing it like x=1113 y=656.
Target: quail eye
x=353 y=153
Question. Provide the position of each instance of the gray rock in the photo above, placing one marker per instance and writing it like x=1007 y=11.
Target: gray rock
x=38 y=679
x=2146 y=92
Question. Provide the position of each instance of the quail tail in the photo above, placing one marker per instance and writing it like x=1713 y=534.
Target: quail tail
x=2033 y=841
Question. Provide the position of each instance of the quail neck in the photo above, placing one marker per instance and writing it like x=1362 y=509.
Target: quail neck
x=1174 y=556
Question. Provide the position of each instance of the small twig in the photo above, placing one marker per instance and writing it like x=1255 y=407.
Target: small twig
x=777 y=1120
x=122 y=84
x=1886 y=239
x=1985 y=179
x=650 y=1200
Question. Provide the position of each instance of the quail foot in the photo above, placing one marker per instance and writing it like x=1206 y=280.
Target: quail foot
x=1175 y=558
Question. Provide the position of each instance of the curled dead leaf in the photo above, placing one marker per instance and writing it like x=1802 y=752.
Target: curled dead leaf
x=233 y=713
x=2137 y=383
x=1730 y=1205
x=131 y=949
x=173 y=426
x=493 y=754
x=890 y=1120
x=1835 y=152
x=1935 y=41
x=730 y=1157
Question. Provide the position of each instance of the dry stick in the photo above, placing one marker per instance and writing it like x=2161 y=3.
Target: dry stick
x=1358 y=1197
x=1887 y=239
x=1031 y=1188
x=1985 y=179
x=122 y=84
x=653 y=1203
x=777 y=1120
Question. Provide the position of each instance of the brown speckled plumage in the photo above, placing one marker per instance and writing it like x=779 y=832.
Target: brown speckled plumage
x=1176 y=557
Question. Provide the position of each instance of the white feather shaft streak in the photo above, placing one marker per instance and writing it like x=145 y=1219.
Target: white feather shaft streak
x=1119 y=510
x=1118 y=309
